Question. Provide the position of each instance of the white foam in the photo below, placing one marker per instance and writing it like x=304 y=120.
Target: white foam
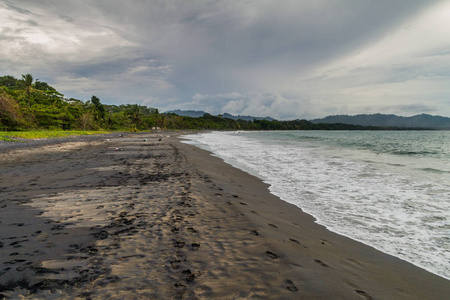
x=390 y=211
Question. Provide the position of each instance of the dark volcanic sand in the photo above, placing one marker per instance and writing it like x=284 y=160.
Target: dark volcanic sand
x=165 y=220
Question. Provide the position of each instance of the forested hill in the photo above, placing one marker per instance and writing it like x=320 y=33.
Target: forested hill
x=418 y=121
x=200 y=113
x=27 y=104
x=187 y=113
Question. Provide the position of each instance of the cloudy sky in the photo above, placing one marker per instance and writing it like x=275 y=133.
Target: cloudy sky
x=284 y=59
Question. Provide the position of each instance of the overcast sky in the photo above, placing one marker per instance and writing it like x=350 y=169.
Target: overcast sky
x=284 y=59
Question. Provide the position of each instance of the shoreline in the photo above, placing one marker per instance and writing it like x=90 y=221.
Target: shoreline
x=386 y=268
x=164 y=219
x=233 y=162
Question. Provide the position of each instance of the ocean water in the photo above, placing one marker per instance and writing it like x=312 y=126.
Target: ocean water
x=387 y=189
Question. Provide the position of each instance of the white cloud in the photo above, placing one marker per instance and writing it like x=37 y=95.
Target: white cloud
x=254 y=103
x=409 y=65
x=38 y=38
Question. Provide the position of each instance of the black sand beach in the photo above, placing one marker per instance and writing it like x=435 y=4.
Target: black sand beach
x=137 y=218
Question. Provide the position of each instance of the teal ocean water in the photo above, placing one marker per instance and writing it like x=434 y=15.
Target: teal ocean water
x=387 y=189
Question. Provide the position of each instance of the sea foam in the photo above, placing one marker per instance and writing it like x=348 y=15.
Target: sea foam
x=381 y=198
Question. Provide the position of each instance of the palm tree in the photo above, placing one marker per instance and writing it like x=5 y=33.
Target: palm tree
x=28 y=81
x=135 y=112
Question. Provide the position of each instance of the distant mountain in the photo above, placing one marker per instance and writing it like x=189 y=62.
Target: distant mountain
x=187 y=113
x=200 y=113
x=418 y=121
x=245 y=118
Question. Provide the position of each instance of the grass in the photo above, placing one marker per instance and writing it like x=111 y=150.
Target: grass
x=7 y=139
x=43 y=134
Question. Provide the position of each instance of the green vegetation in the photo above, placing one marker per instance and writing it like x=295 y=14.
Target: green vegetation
x=30 y=105
x=39 y=134
x=7 y=139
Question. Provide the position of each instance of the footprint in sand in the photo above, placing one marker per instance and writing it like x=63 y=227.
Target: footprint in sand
x=191 y=229
x=182 y=203
x=101 y=235
x=24 y=266
x=179 y=244
x=14 y=261
x=288 y=284
x=60 y=233
x=74 y=246
x=175 y=264
x=181 y=289
x=17 y=244
x=318 y=261
x=271 y=255
x=58 y=227
x=189 y=276
x=195 y=246
x=2 y=273
x=36 y=233
x=181 y=256
x=363 y=294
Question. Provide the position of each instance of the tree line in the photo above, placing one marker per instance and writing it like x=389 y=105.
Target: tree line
x=27 y=104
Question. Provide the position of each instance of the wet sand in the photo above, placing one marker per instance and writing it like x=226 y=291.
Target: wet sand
x=139 y=218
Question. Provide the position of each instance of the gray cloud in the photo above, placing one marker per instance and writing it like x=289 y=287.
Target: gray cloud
x=10 y=6
x=411 y=108
x=246 y=57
